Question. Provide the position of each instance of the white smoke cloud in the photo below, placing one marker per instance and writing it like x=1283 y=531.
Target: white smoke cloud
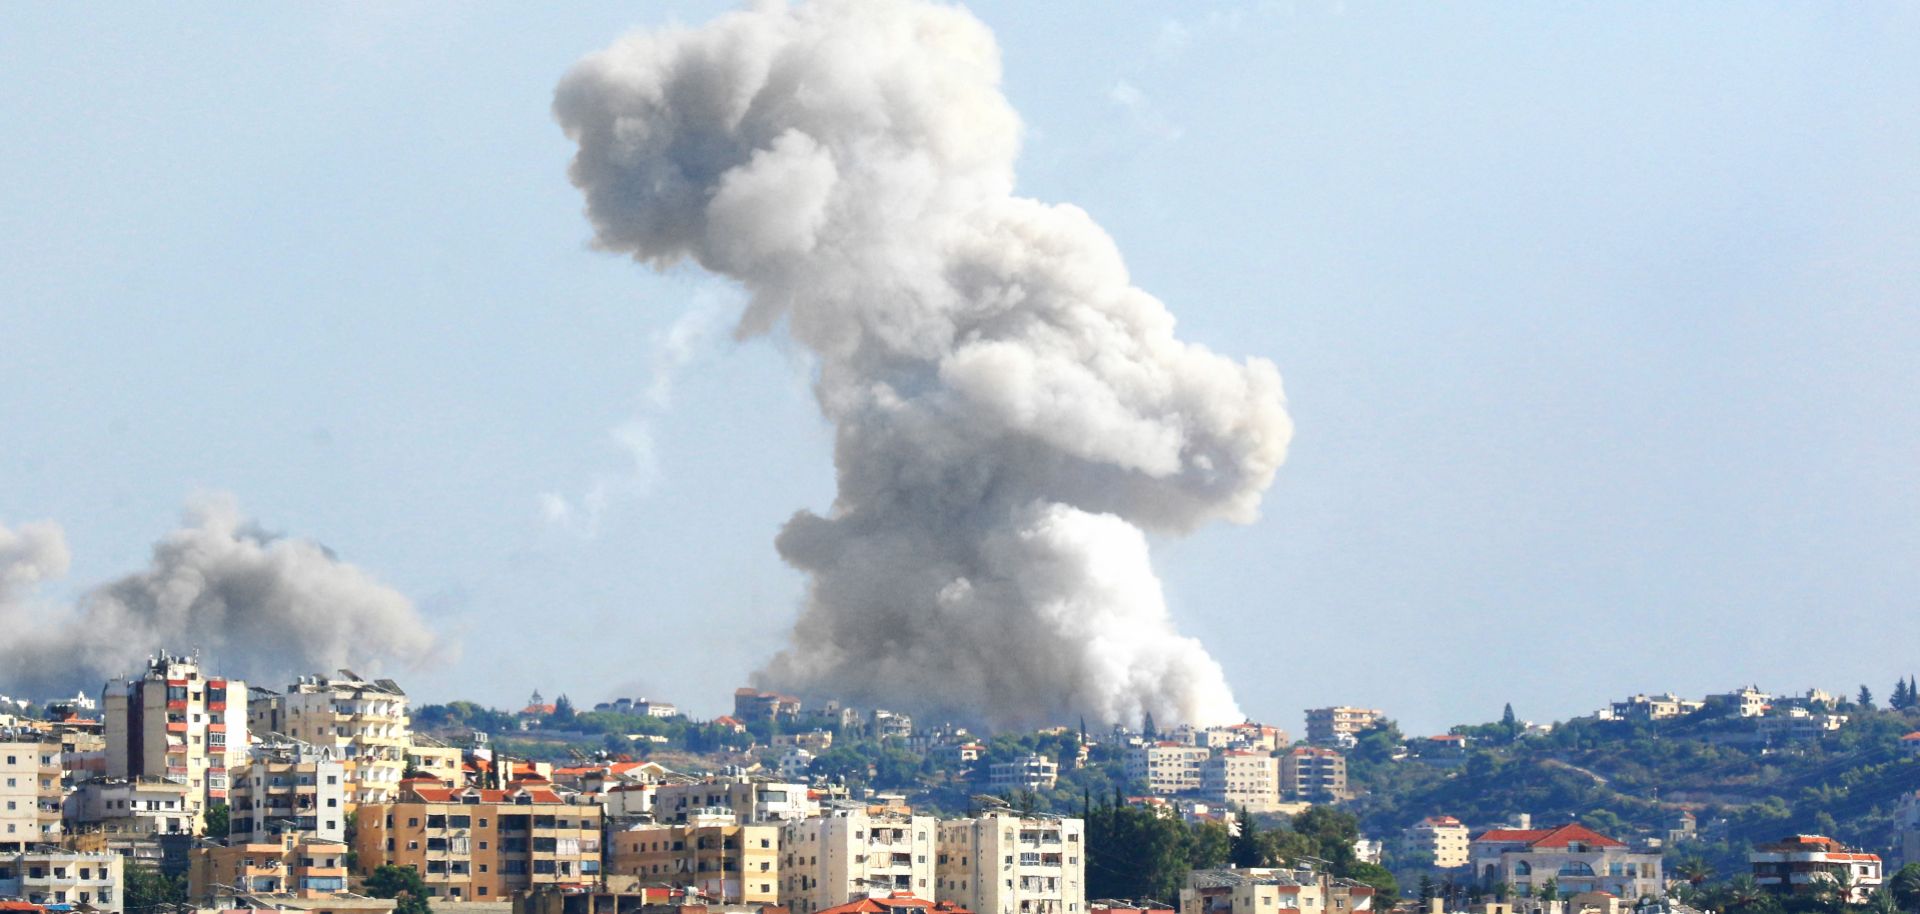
x=256 y=607
x=1010 y=410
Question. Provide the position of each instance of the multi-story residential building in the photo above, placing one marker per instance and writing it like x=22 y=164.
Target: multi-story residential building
x=1242 y=779
x=134 y=808
x=1577 y=858
x=711 y=853
x=31 y=791
x=755 y=800
x=1800 y=864
x=427 y=756
x=1746 y=701
x=891 y=725
x=1443 y=838
x=1166 y=766
x=1655 y=707
x=794 y=764
x=1261 y=890
x=750 y=705
x=62 y=877
x=473 y=844
x=1798 y=725
x=1312 y=774
x=289 y=787
x=1248 y=735
x=366 y=721
x=1027 y=772
x=1004 y=863
x=292 y=865
x=179 y=723
x=848 y=852
x=1340 y=724
x=658 y=709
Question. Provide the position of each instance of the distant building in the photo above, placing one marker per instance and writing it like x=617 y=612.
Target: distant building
x=1800 y=864
x=750 y=705
x=1746 y=701
x=64 y=879
x=30 y=790
x=1003 y=863
x=1655 y=707
x=178 y=723
x=1027 y=772
x=1444 y=838
x=131 y=809
x=1798 y=725
x=1167 y=766
x=475 y=844
x=366 y=722
x=659 y=709
x=1910 y=744
x=794 y=764
x=289 y=787
x=292 y=865
x=1336 y=725
x=849 y=853
x=1313 y=775
x=1577 y=858
x=1262 y=890
x=891 y=725
x=755 y=800
x=1242 y=778
x=897 y=903
x=1249 y=736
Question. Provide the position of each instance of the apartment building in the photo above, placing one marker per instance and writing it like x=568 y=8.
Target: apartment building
x=1340 y=725
x=1655 y=707
x=63 y=877
x=1003 y=863
x=473 y=844
x=179 y=723
x=755 y=800
x=31 y=792
x=1802 y=864
x=1313 y=775
x=1746 y=701
x=130 y=808
x=750 y=705
x=794 y=764
x=289 y=787
x=1027 y=772
x=1166 y=767
x=712 y=853
x=1577 y=858
x=850 y=852
x=366 y=721
x=1443 y=838
x=1262 y=890
x=1242 y=778
x=1248 y=735
x=292 y=865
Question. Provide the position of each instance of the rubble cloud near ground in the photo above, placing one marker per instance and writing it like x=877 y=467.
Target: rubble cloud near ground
x=255 y=606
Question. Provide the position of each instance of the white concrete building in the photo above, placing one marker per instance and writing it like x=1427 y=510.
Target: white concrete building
x=116 y=806
x=1167 y=767
x=1003 y=863
x=755 y=800
x=794 y=764
x=1028 y=772
x=848 y=853
x=289 y=787
x=1237 y=778
x=63 y=877
x=30 y=789
x=179 y=723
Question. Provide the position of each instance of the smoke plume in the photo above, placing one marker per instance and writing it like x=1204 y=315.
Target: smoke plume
x=1010 y=411
x=255 y=606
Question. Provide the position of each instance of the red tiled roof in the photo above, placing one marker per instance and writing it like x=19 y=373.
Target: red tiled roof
x=1560 y=836
x=1915 y=735
x=894 y=902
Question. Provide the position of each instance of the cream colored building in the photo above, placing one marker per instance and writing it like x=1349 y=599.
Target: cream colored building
x=1242 y=778
x=474 y=844
x=366 y=720
x=179 y=723
x=1167 y=766
x=1340 y=724
x=726 y=861
x=289 y=788
x=291 y=866
x=1445 y=838
x=122 y=808
x=755 y=800
x=1260 y=890
x=30 y=789
x=1004 y=863
x=1026 y=772
x=63 y=877
x=1313 y=775
x=849 y=852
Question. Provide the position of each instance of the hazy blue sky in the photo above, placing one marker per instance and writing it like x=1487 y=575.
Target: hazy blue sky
x=1600 y=326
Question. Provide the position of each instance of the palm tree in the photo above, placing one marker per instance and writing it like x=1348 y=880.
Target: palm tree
x=1744 y=894
x=1695 y=870
x=1906 y=886
x=1883 y=902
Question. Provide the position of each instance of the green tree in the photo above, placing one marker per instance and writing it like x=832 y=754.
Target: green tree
x=563 y=714
x=1550 y=890
x=1209 y=846
x=402 y=884
x=1247 y=849
x=1905 y=886
x=1510 y=723
x=146 y=889
x=1866 y=698
x=217 y=820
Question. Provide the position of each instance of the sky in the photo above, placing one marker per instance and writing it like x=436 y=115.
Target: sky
x=1600 y=326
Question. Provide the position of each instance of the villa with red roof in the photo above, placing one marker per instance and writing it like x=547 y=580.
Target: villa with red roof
x=1577 y=858
x=1910 y=744
x=1800 y=864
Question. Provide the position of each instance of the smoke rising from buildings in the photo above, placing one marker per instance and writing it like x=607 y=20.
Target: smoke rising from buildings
x=256 y=607
x=1011 y=413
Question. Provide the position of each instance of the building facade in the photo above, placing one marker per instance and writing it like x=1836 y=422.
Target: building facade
x=289 y=787
x=1242 y=778
x=1166 y=767
x=61 y=877
x=292 y=865
x=1028 y=772
x=31 y=790
x=1803 y=864
x=1577 y=858
x=755 y=800
x=130 y=808
x=1004 y=863
x=367 y=722
x=725 y=861
x=1313 y=775
x=1329 y=726
x=471 y=844
x=850 y=853
x=1444 y=838
x=178 y=723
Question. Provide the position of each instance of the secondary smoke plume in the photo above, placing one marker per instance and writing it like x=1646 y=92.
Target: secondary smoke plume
x=257 y=607
x=1010 y=410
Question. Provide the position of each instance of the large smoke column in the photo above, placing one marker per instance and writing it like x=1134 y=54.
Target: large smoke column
x=1010 y=411
x=256 y=606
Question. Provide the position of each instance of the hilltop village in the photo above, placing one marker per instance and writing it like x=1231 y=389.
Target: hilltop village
x=180 y=789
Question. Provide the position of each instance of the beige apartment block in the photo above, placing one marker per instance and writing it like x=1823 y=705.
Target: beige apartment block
x=30 y=790
x=301 y=868
x=473 y=844
x=1445 y=838
x=1167 y=766
x=1004 y=863
x=289 y=787
x=1313 y=775
x=54 y=877
x=1242 y=778
x=755 y=800
x=137 y=808
x=1339 y=724
x=850 y=852
x=178 y=723
x=712 y=853
x=366 y=720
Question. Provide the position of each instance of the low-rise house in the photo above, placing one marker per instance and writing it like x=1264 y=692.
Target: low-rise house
x=293 y=865
x=1263 y=890
x=131 y=807
x=1655 y=707
x=1577 y=858
x=1804 y=864
x=1790 y=725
